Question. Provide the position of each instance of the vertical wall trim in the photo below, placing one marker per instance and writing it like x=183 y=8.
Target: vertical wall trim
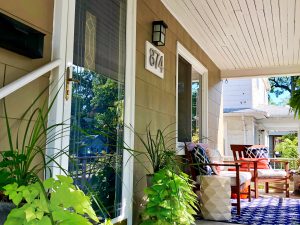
x=129 y=116
x=60 y=19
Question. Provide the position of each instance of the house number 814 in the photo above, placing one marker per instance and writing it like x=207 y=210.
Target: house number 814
x=155 y=59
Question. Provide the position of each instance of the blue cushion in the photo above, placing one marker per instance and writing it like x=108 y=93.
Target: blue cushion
x=200 y=157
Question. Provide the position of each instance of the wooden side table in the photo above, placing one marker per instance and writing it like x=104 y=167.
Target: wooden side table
x=215 y=193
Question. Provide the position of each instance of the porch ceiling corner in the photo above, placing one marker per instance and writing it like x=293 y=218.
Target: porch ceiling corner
x=245 y=38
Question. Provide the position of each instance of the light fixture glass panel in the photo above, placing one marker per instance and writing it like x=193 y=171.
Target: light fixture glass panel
x=162 y=38
x=156 y=36
x=156 y=27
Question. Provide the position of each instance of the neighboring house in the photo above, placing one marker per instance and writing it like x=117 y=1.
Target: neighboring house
x=248 y=119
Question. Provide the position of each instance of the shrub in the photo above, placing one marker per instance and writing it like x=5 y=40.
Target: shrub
x=288 y=149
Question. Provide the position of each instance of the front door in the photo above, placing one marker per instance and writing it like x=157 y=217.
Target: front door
x=95 y=96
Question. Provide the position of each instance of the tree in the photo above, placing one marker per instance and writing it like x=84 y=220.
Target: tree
x=295 y=100
x=281 y=84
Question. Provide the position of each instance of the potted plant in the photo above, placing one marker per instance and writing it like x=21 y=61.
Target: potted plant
x=19 y=170
x=17 y=163
x=51 y=202
x=157 y=149
x=171 y=199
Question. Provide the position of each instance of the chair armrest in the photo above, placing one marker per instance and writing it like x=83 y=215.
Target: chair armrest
x=215 y=164
x=279 y=160
x=284 y=160
x=232 y=163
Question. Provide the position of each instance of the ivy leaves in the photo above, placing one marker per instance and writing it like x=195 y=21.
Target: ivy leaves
x=65 y=205
x=170 y=200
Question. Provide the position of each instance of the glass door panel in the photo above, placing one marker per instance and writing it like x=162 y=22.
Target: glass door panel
x=197 y=107
x=97 y=107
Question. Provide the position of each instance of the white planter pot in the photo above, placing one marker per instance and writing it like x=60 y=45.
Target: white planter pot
x=215 y=195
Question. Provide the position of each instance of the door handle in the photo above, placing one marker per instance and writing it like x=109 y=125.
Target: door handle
x=69 y=79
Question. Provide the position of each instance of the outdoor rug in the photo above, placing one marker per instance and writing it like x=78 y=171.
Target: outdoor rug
x=267 y=211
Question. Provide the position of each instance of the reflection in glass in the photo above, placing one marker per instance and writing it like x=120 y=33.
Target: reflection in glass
x=97 y=111
x=97 y=125
x=197 y=108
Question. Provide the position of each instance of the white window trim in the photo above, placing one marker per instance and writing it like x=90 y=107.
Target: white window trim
x=203 y=71
x=129 y=116
x=63 y=24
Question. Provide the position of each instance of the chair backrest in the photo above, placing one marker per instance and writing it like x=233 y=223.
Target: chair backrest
x=239 y=151
x=189 y=160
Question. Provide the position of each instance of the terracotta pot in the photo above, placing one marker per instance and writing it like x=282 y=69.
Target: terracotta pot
x=5 y=208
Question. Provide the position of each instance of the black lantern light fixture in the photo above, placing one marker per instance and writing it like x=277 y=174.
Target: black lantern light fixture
x=159 y=32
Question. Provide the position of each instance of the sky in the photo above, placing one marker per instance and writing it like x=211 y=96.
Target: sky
x=281 y=99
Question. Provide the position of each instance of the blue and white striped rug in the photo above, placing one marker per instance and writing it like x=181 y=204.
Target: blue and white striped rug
x=268 y=211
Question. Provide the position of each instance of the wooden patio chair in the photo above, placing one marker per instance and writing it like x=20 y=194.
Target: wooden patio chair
x=262 y=175
x=239 y=180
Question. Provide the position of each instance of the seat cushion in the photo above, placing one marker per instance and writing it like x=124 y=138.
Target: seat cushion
x=271 y=173
x=244 y=176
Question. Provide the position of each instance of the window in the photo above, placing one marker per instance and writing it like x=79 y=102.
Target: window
x=191 y=98
x=97 y=111
x=189 y=102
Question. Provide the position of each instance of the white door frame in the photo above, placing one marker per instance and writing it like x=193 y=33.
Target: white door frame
x=203 y=71
x=62 y=47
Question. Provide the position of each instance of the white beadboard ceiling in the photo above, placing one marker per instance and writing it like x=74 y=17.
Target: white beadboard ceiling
x=244 y=37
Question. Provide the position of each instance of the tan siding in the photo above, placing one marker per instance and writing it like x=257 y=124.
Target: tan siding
x=34 y=12
x=155 y=97
x=2 y=68
x=39 y=15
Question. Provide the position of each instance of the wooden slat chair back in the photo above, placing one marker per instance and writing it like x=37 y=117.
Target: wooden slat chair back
x=239 y=155
x=239 y=151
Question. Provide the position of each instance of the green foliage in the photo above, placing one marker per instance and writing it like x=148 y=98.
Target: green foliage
x=158 y=148
x=171 y=200
x=288 y=148
x=97 y=127
x=291 y=136
x=295 y=100
x=17 y=163
x=282 y=85
x=97 y=105
x=65 y=205
x=107 y=170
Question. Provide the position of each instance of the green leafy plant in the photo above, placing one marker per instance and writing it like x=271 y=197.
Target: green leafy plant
x=171 y=200
x=52 y=202
x=295 y=100
x=157 y=148
x=288 y=148
x=17 y=164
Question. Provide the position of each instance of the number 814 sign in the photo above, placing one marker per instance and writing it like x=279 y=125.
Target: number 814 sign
x=154 y=60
